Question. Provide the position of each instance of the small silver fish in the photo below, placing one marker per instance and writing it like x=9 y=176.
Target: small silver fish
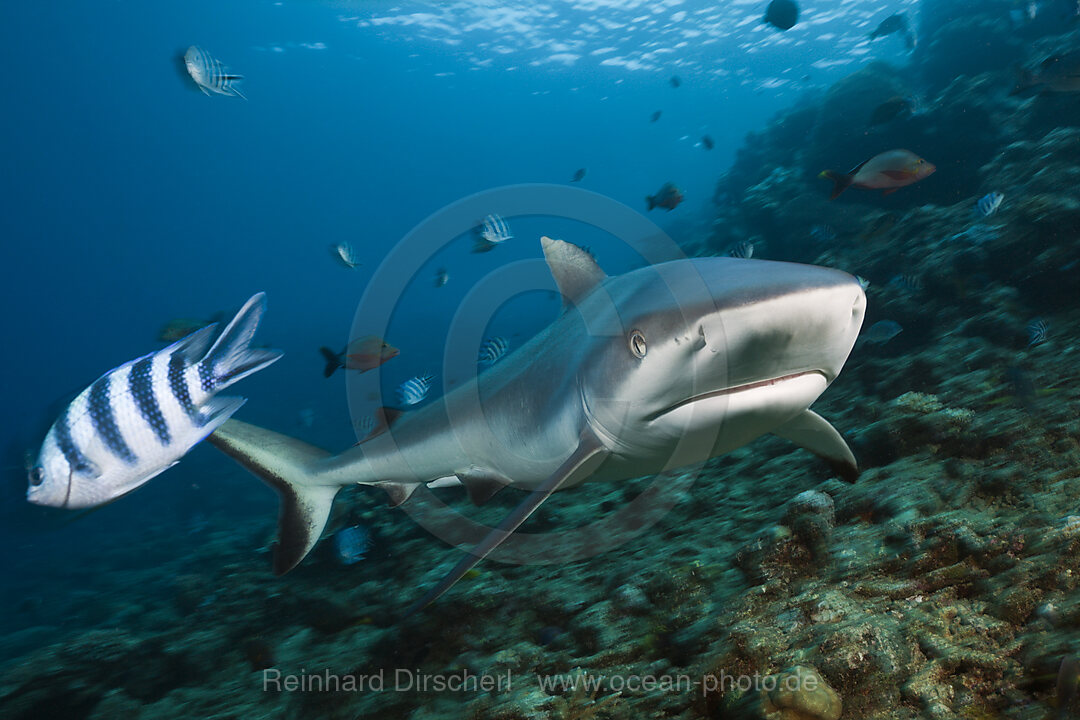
x=364 y=426
x=988 y=204
x=1038 y=332
x=345 y=254
x=822 y=233
x=139 y=419
x=881 y=332
x=744 y=250
x=210 y=75
x=907 y=283
x=415 y=389
x=863 y=282
x=492 y=350
x=442 y=276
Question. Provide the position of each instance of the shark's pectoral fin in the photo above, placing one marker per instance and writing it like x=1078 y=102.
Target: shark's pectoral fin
x=584 y=460
x=812 y=432
x=482 y=484
x=286 y=465
x=574 y=268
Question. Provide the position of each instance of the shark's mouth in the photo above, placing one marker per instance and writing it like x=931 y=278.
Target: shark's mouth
x=736 y=390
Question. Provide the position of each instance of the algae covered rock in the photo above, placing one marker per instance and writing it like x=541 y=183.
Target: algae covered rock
x=799 y=693
x=812 y=517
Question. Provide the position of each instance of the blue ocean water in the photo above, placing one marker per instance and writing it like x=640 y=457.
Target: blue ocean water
x=133 y=199
x=130 y=199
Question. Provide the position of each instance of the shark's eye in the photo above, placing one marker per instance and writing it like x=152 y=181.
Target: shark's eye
x=37 y=476
x=637 y=343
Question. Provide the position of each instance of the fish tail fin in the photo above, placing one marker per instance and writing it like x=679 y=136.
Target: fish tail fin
x=841 y=182
x=333 y=362
x=231 y=357
x=288 y=466
x=651 y=200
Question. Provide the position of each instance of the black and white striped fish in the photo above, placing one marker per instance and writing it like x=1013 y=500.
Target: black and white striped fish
x=491 y=350
x=988 y=204
x=209 y=74
x=491 y=232
x=139 y=419
x=415 y=389
x=1038 y=332
x=743 y=250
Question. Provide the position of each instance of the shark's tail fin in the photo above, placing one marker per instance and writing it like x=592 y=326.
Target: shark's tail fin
x=288 y=466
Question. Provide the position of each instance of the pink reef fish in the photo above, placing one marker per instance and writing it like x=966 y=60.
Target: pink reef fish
x=362 y=354
x=888 y=171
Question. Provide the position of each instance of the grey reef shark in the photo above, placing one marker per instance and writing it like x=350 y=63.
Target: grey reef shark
x=659 y=368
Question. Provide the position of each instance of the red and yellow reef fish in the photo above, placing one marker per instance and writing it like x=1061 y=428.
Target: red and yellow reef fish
x=888 y=171
x=668 y=197
x=362 y=354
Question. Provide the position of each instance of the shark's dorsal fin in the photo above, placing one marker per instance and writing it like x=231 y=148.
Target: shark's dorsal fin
x=574 y=268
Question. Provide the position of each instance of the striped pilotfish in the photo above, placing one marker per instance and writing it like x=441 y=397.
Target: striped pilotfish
x=139 y=419
x=491 y=350
x=493 y=231
x=1038 y=332
x=743 y=250
x=415 y=389
x=209 y=74
x=988 y=204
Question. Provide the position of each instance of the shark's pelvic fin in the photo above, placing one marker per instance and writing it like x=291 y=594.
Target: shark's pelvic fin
x=287 y=466
x=397 y=492
x=482 y=484
x=584 y=461
x=812 y=432
x=575 y=269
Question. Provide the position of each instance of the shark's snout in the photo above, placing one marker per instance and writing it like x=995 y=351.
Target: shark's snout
x=759 y=348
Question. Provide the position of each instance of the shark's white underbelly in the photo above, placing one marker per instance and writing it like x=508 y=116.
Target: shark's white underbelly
x=712 y=426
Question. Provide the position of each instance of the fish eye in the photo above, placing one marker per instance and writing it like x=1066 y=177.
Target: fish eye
x=37 y=476
x=637 y=344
